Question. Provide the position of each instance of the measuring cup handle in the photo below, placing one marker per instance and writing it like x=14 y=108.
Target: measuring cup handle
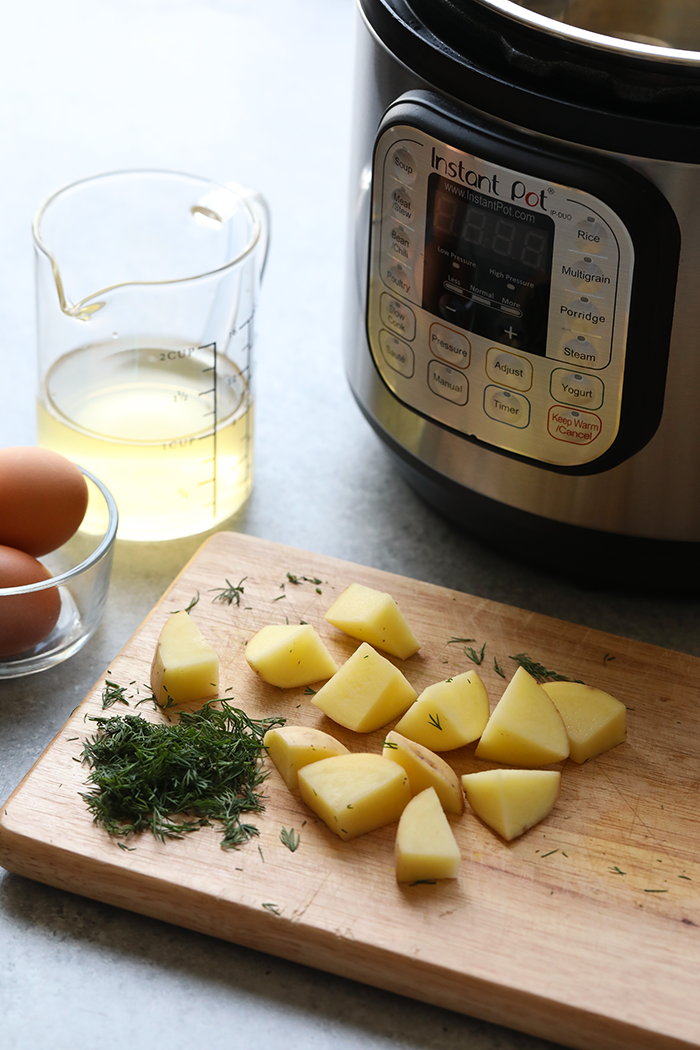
x=262 y=209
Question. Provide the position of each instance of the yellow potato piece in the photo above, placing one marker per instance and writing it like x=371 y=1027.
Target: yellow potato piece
x=367 y=692
x=374 y=617
x=293 y=747
x=185 y=667
x=425 y=845
x=425 y=769
x=355 y=793
x=512 y=800
x=594 y=720
x=448 y=714
x=289 y=655
x=525 y=728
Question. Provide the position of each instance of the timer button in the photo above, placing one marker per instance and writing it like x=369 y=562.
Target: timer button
x=448 y=382
x=576 y=388
x=511 y=370
x=591 y=236
x=397 y=354
x=403 y=165
x=506 y=407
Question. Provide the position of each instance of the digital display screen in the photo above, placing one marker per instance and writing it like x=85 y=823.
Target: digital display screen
x=488 y=265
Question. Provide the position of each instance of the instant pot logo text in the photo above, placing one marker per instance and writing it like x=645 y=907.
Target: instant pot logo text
x=491 y=184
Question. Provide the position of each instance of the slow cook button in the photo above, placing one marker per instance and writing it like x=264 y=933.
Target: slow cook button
x=573 y=425
x=450 y=346
x=403 y=165
x=397 y=354
x=506 y=407
x=397 y=316
x=448 y=383
x=509 y=369
x=575 y=388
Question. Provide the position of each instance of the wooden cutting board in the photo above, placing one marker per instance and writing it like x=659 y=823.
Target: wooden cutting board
x=585 y=931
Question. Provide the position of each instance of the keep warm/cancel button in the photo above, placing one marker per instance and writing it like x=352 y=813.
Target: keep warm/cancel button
x=573 y=425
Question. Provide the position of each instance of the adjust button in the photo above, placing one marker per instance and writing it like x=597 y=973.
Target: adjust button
x=509 y=369
x=576 y=388
x=506 y=407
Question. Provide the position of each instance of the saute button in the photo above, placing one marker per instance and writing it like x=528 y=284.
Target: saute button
x=575 y=388
x=506 y=407
x=509 y=369
x=591 y=236
x=448 y=382
x=397 y=354
x=403 y=165
x=397 y=316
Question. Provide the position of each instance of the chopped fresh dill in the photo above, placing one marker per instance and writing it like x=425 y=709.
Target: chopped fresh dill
x=171 y=779
x=608 y=657
x=548 y=854
x=617 y=871
x=230 y=593
x=271 y=907
x=478 y=658
x=423 y=882
x=685 y=877
x=113 y=694
x=297 y=580
x=497 y=668
x=309 y=691
x=656 y=891
x=389 y=744
x=192 y=603
x=538 y=671
x=435 y=721
x=460 y=641
x=290 y=838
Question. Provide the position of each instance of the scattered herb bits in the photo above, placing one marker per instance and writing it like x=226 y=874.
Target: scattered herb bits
x=171 y=779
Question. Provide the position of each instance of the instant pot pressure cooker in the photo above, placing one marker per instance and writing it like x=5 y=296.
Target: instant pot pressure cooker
x=523 y=300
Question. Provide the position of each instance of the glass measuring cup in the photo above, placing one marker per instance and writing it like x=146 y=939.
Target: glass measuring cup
x=146 y=290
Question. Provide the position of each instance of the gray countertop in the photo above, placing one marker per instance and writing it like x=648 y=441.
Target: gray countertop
x=258 y=91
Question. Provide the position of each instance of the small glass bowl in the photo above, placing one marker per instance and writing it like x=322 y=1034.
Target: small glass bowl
x=81 y=570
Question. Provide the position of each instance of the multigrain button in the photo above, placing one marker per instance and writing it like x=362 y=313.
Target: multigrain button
x=450 y=346
x=397 y=354
x=576 y=388
x=586 y=275
x=397 y=316
x=448 y=382
x=506 y=407
x=511 y=370
x=573 y=425
x=403 y=165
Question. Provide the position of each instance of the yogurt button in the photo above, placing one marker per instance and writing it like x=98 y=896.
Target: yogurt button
x=576 y=388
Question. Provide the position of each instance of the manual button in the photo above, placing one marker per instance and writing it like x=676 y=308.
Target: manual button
x=509 y=369
x=448 y=383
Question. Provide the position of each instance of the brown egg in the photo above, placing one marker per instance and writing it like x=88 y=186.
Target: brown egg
x=25 y=619
x=43 y=499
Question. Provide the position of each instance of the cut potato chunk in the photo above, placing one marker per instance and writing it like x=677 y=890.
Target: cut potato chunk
x=425 y=769
x=594 y=720
x=448 y=714
x=185 y=667
x=525 y=728
x=293 y=747
x=374 y=617
x=425 y=845
x=512 y=800
x=367 y=692
x=355 y=793
x=289 y=655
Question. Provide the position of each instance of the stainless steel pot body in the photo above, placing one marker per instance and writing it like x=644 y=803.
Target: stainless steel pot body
x=652 y=493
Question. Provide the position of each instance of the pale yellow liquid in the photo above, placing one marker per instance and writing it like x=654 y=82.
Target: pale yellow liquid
x=143 y=422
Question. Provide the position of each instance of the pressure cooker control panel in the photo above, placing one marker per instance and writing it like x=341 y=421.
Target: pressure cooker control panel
x=498 y=299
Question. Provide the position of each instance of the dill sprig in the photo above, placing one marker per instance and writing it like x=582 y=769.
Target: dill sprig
x=538 y=671
x=478 y=658
x=113 y=694
x=230 y=593
x=171 y=779
x=290 y=838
